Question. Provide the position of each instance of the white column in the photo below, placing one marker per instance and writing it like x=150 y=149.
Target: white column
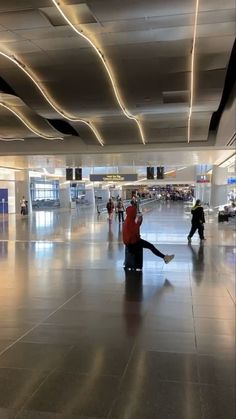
x=22 y=188
x=219 y=186
x=64 y=194
x=89 y=195
x=203 y=192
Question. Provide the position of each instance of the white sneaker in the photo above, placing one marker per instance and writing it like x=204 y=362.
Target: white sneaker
x=168 y=258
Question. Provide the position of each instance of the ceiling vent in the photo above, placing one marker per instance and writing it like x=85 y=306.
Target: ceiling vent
x=77 y=13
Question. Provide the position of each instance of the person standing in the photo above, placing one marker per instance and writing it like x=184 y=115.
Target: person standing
x=23 y=206
x=198 y=220
x=120 y=209
x=132 y=238
x=133 y=200
x=110 y=209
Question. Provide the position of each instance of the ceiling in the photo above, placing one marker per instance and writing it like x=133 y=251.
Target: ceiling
x=133 y=93
x=124 y=161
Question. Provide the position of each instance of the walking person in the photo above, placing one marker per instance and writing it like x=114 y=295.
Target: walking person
x=120 y=208
x=198 y=220
x=132 y=238
x=23 y=206
x=133 y=200
x=110 y=209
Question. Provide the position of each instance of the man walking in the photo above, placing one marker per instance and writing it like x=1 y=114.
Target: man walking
x=198 y=220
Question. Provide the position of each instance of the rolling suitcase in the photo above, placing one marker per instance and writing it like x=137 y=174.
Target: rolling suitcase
x=133 y=261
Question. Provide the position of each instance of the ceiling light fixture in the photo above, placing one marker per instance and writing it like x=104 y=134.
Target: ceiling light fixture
x=51 y=101
x=11 y=139
x=27 y=124
x=107 y=67
x=192 y=70
x=229 y=161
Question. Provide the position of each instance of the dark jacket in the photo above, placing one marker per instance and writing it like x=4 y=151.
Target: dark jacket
x=197 y=215
x=110 y=207
x=131 y=227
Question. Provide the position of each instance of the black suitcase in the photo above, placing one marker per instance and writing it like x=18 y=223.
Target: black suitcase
x=133 y=261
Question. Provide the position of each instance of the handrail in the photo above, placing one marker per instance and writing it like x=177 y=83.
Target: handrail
x=101 y=208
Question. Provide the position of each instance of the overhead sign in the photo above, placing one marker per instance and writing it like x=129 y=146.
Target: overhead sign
x=203 y=178
x=131 y=177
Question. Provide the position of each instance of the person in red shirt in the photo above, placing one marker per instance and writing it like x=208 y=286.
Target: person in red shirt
x=132 y=238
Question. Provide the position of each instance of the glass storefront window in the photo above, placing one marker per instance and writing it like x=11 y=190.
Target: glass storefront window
x=44 y=193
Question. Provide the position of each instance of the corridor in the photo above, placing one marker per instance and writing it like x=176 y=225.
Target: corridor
x=82 y=339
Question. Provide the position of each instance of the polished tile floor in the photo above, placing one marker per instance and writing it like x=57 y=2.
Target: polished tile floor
x=80 y=338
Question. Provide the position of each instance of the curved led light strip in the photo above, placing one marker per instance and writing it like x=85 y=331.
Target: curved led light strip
x=107 y=67
x=50 y=100
x=26 y=123
x=192 y=70
x=11 y=139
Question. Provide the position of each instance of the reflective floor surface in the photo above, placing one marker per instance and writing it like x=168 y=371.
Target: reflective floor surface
x=82 y=339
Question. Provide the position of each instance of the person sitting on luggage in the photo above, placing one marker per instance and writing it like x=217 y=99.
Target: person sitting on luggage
x=232 y=210
x=132 y=238
x=226 y=210
x=198 y=220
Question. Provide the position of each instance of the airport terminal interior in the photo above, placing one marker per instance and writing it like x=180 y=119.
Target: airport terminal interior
x=108 y=108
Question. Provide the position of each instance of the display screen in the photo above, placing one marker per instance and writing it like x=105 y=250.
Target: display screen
x=160 y=172
x=69 y=174
x=150 y=172
x=78 y=173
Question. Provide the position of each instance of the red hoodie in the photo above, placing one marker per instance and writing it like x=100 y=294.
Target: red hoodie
x=131 y=233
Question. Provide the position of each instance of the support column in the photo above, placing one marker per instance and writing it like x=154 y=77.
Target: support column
x=22 y=188
x=64 y=194
x=219 y=186
x=203 y=192
x=89 y=195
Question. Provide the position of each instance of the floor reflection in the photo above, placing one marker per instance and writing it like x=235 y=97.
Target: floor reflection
x=115 y=342
x=3 y=249
x=133 y=298
x=120 y=238
x=198 y=265
x=110 y=239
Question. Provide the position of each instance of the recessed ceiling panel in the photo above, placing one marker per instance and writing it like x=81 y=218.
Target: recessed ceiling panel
x=78 y=13
x=147 y=47
x=24 y=19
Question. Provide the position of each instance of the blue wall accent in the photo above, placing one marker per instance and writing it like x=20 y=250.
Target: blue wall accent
x=3 y=196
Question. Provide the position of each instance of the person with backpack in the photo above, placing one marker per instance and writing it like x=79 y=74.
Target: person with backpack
x=120 y=208
x=23 y=206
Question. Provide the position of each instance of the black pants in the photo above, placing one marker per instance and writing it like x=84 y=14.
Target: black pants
x=143 y=244
x=200 y=228
x=121 y=216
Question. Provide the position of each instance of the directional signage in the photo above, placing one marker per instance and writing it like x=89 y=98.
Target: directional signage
x=114 y=178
